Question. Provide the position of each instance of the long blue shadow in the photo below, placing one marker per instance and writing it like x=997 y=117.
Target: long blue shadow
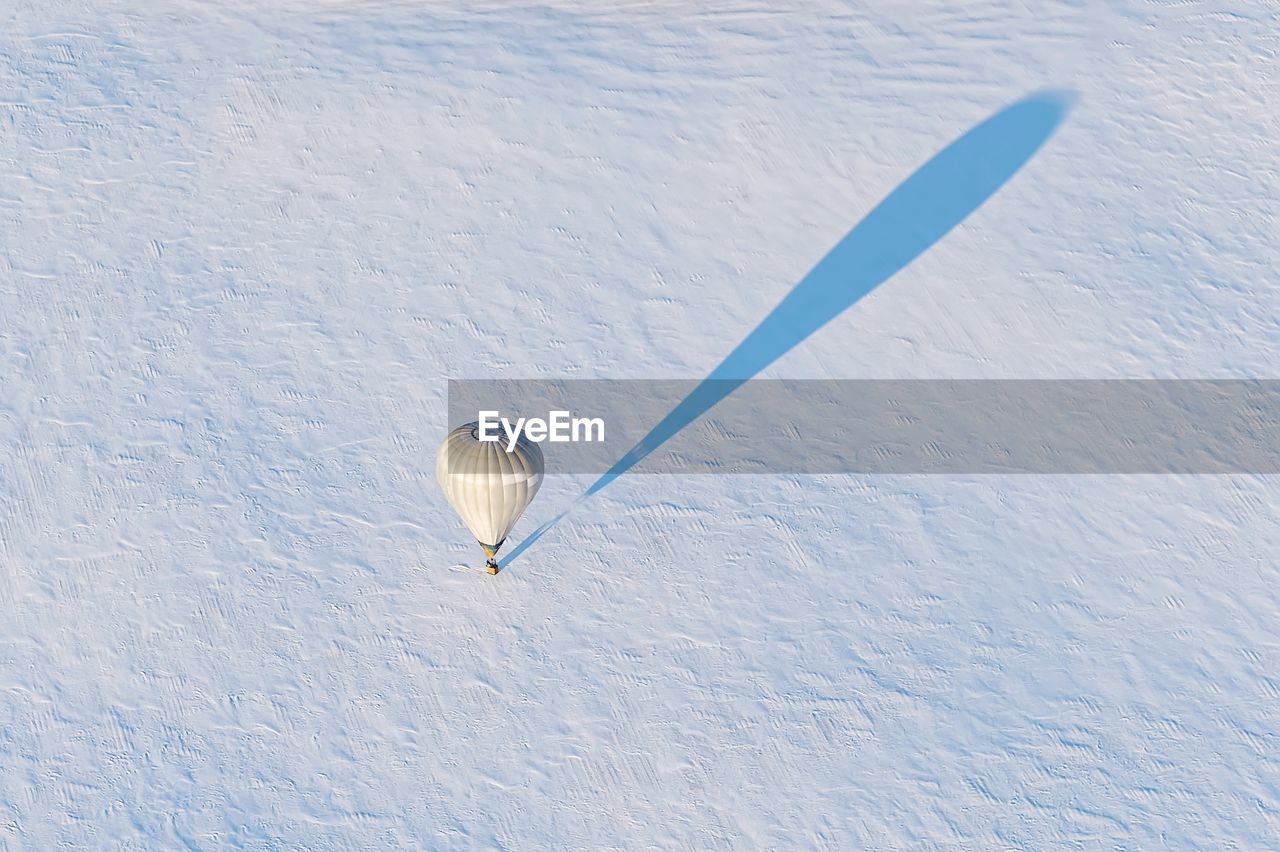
x=921 y=211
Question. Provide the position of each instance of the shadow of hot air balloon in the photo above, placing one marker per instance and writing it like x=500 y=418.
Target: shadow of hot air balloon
x=918 y=213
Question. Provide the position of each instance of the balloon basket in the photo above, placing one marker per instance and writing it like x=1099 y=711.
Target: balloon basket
x=490 y=566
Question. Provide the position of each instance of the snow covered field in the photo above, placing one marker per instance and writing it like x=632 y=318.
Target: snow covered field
x=243 y=247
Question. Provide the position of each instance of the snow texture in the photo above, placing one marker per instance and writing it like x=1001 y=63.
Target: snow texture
x=243 y=246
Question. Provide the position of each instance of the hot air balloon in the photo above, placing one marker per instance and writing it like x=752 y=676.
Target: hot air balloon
x=486 y=485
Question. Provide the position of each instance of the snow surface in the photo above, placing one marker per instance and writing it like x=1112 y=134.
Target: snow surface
x=242 y=247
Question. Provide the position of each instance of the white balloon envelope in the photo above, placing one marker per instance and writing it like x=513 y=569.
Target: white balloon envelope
x=486 y=485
